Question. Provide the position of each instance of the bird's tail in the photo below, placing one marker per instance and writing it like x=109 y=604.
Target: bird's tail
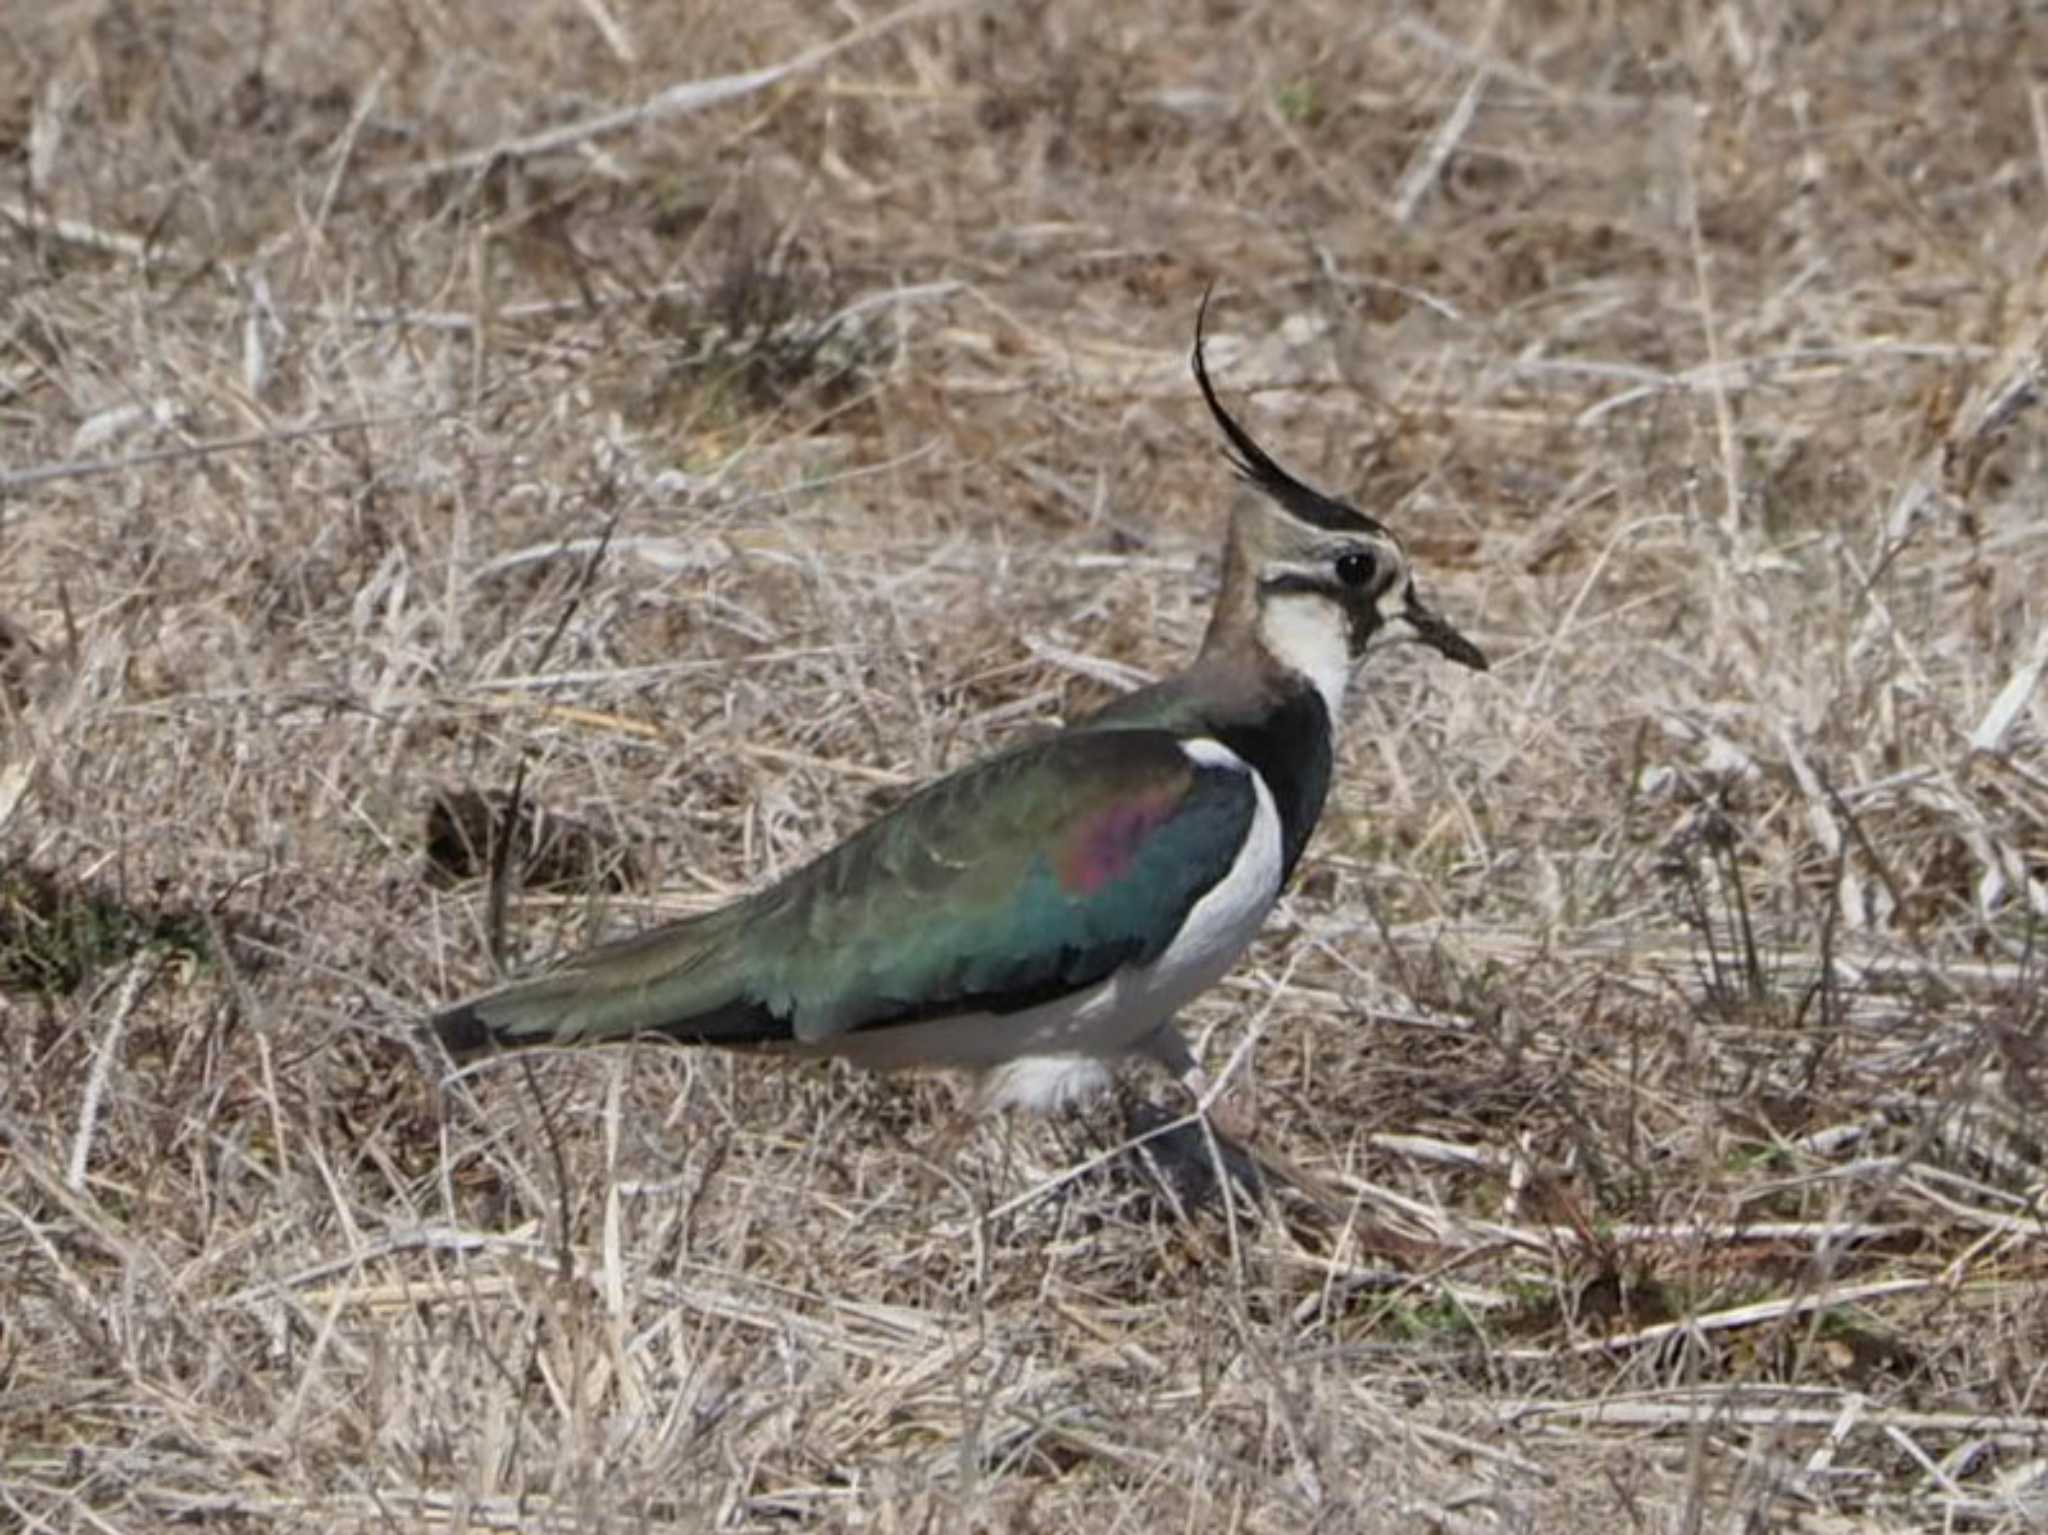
x=686 y=980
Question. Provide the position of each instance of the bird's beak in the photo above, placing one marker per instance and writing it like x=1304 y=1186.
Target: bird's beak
x=1432 y=630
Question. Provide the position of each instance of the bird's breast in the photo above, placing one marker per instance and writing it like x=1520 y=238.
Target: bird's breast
x=1220 y=925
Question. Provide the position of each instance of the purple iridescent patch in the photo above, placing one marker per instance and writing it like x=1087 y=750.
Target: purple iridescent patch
x=1104 y=846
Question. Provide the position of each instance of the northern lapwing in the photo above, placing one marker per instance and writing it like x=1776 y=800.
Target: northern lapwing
x=1046 y=911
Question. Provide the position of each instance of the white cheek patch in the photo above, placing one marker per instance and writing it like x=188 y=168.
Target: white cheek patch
x=1310 y=635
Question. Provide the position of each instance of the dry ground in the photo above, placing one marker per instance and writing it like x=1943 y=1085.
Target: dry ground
x=387 y=407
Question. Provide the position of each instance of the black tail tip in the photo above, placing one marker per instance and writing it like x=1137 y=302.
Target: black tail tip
x=462 y=1032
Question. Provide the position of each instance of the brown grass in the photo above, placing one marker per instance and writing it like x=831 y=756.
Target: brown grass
x=1668 y=1002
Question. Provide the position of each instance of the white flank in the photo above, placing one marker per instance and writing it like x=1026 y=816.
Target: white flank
x=1224 y=921
x=1049 y=1056
x=1310 y=635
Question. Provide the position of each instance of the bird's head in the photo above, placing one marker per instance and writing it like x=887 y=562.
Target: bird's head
x=1320 y=581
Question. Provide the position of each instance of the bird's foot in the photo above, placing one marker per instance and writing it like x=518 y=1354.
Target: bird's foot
x=1238 y=1132
x=1185 y=1159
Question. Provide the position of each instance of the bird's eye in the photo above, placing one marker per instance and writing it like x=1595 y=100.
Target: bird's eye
x=1356 y=569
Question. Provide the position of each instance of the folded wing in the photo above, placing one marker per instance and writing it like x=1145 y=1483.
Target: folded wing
x=1033 y=874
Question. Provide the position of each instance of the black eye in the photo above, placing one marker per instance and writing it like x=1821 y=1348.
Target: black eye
x=1356 y=569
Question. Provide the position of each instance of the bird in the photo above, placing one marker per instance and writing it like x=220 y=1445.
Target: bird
x=1041 y=915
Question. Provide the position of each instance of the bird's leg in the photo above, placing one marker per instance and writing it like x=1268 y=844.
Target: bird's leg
x=1227 y=1120
x=1197 y=1159
x=1166 y=1046
x=1241 y=1130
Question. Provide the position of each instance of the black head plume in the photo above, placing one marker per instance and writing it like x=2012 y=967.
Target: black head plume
x=1256 y=466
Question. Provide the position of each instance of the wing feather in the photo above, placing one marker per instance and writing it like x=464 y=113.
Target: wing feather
x=1037 y=872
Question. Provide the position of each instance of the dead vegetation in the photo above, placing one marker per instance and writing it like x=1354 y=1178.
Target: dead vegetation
x=409 y=402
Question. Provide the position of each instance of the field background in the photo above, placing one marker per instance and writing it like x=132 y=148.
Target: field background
x=1665 y=1006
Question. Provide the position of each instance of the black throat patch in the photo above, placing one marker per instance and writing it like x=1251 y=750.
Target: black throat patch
x=1289 y=747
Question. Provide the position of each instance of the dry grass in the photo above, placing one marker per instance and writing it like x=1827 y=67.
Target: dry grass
x=1669 y=1000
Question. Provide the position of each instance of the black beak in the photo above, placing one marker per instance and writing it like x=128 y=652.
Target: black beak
x=1434 y=632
